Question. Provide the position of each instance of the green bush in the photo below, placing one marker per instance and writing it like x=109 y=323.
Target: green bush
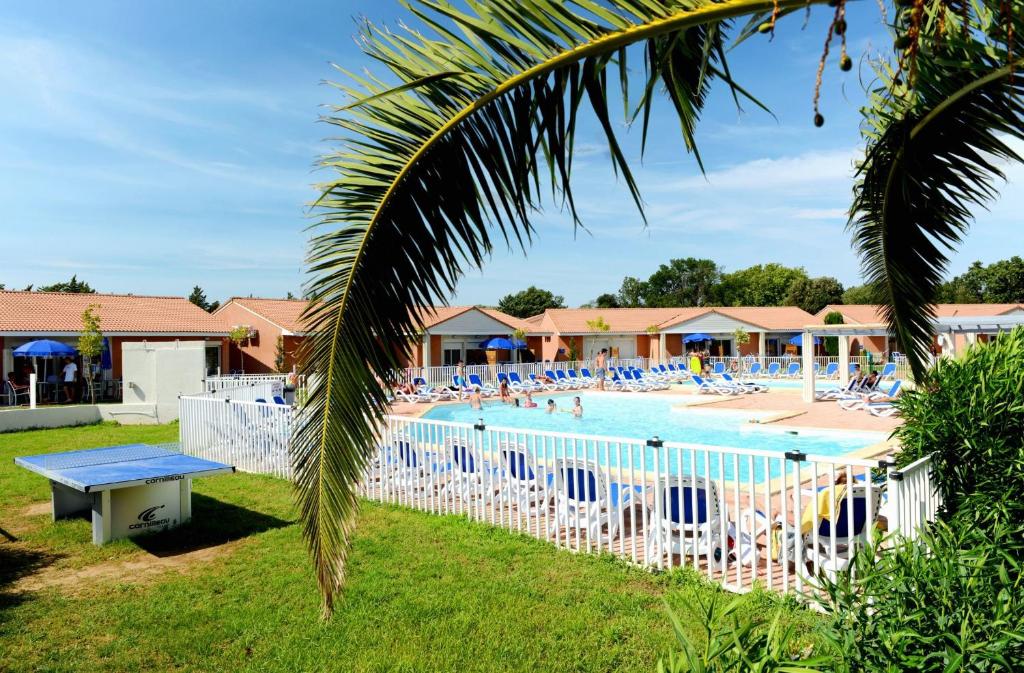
x=969 y=413
x=952 y=601
x=737 y=642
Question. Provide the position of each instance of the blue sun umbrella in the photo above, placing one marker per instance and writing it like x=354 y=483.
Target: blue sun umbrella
x=502 y=344
x=106 y=361
x=798 y=340
x=44 y=348
x=699 y=336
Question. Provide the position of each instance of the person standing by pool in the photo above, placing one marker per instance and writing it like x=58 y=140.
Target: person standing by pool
x=460 y=372
x=577 y=408
x=503 y=392
x=475 y=401
x=601 y=363
x=696 y=366
x=552 y=407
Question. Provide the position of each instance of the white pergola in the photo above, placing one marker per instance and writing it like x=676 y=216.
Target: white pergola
x=949 y=327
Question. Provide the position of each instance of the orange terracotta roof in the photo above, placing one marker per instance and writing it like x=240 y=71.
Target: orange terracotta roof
x=619 y=320
x=768 y=317
x=871 y=313
x=45 y=312
x=284 y=313
x=438 y=314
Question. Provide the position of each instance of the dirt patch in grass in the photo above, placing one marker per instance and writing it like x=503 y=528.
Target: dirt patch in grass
x=138 y=569
x=35 y=509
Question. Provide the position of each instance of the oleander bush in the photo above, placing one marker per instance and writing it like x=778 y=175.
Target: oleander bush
x=969 y=414
x=951 y=601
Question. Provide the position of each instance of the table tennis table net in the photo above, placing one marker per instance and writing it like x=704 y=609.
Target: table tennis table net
x=105 y=456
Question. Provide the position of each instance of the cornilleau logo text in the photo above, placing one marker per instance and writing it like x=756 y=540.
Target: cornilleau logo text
x=157 y=480
x=147 y=518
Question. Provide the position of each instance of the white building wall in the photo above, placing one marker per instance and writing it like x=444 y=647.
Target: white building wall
x=156 y=373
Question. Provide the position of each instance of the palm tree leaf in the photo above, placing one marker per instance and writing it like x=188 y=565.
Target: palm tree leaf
x=432 y=167
x=933 y=154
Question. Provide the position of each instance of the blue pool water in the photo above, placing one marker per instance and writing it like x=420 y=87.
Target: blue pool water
x=643 y=416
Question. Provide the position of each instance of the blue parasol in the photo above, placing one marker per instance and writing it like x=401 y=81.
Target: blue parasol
x=43 y=348
x=502 y=344
x=106 y=361
x=699 y=336
x=798 y=340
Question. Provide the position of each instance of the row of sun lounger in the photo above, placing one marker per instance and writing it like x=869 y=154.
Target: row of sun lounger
x=576 y=494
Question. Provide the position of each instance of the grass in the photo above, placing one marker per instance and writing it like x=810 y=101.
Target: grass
x=424 y=593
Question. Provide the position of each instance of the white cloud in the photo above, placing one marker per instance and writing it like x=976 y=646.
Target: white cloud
x=803 y=170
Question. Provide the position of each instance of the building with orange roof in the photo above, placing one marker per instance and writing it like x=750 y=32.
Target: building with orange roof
x=451 y=333
x=867 y=314
x=27 y=316
x=653 y=332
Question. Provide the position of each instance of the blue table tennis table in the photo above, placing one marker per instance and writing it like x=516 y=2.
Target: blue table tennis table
x=130 y=489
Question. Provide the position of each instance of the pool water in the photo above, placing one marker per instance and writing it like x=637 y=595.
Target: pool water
x=644 y=416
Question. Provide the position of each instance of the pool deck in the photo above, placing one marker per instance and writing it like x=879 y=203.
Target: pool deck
x=787 y=406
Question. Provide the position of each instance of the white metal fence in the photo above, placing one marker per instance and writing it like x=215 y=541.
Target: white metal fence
x=247 y=392
x=252 y=436
x=221 y=382
x=739 y=516
x=913 y=498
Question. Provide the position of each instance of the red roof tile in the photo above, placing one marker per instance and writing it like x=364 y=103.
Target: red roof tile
x=45 y=312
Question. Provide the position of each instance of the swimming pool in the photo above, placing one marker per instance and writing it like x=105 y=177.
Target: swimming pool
x=644 y=416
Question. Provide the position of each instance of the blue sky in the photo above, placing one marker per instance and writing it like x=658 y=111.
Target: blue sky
x=149 y=147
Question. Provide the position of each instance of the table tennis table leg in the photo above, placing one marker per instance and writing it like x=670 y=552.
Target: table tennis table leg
x=101 y=518
x=67 y=502
x=185 y=500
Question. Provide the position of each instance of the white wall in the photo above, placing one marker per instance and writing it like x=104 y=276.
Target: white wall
x=156 y=373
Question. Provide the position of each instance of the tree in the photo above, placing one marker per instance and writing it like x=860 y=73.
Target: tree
x=418 y=197
x=759 y=285
x=530 y=302
x=90 y=344
x=198 y=297
x=632 y=292
x=1001 y=282
x=239 y=334
x=290 y=296
x=861 y=294
x=832 y=343
x=74 y=285
x=598 y=325
x=741 y=337
x=279 y=355
x=814 y=294
x=606 y=300
x=684 y=282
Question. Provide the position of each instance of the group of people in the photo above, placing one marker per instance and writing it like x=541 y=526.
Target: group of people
x=476 y=400
x=865 y=385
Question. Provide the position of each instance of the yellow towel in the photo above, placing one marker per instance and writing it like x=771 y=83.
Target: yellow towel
x=826 y=505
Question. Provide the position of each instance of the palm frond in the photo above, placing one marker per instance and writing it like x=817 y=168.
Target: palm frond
x=934 y=148
x=440 y=158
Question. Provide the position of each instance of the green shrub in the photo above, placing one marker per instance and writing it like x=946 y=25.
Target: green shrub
x=737 y=642
x=969 y=413
x=952 y=601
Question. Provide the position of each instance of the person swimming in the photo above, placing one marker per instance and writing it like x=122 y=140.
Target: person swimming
x=529 y=403
x=552 y=407
x=475 y=401
x=577 y=407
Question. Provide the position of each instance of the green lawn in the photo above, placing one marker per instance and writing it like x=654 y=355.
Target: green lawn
x=424 y=593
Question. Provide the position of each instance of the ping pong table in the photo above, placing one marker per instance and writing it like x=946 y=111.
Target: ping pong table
x=130 y=489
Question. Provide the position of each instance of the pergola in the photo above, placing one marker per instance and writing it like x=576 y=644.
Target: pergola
x=971 y=327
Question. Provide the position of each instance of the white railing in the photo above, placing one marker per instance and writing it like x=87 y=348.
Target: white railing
x=784 y=361
x=221 y=382
x=740 y=516
x=252 y=436
x=247 y=392
x=444 y=376
x=913 y=498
